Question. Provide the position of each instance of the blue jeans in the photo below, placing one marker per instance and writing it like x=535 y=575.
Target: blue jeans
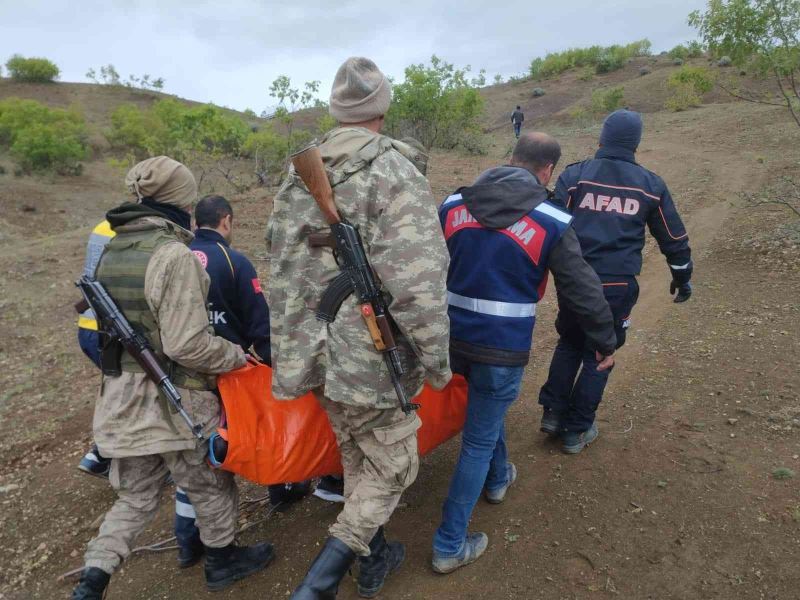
x=483 y=461
x=576 y=397
x=517 y=128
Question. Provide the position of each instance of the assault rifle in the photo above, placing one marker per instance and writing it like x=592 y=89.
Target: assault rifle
x=356 y=276
x=114 y=324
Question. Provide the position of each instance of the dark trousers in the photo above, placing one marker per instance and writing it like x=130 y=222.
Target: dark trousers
x=575 y=396
x=186 y=532
x=517 y=128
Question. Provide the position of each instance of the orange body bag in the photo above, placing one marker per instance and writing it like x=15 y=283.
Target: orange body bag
x=278 y=441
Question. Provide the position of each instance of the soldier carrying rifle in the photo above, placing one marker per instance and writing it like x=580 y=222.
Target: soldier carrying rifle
x=367 y=361
x=152 y=426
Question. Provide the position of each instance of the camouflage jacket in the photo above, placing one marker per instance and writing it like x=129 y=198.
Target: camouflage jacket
x=129 y=416
x=379 y=191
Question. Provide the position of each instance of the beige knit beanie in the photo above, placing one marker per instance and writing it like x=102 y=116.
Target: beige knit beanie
x=164 y=180
x=360 y=91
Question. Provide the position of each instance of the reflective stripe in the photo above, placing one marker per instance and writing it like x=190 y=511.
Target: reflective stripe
x=87 y=323
x=492 y=307
x=558 y=215
x=184 y=509
x=453 y=198
x=682 y=267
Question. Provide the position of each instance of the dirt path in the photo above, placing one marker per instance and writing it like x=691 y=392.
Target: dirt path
x=675 y=500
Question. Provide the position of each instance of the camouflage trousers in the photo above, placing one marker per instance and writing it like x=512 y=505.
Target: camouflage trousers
x=139 y=480
x=380 y=460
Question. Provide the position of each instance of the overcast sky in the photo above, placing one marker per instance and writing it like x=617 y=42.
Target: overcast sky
x=229 y=52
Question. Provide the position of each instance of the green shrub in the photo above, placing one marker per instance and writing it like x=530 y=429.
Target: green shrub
x=695 y=49
x=587 y=74
x=602 y=60
x=134 y=130
x=680 y=51
x=43 y=147
x=700 y=77
x=40 y=138
x=782 y=473
x=177 y=130
x=608 y=62
x=606 y=100
x=688 y=84
x=473 y=142
x=268 y=151
x=579 y=114
x=34 y=70
x=325 y=123
x=684 y=96
x=437 y=105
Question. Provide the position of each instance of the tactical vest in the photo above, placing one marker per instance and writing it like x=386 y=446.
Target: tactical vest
x=122 y=272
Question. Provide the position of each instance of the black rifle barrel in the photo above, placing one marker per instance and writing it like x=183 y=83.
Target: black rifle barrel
x=115 y=324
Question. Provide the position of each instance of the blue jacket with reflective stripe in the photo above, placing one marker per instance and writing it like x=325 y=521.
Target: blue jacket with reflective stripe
x=500 y=232
x=612 y=199
x=236 y=306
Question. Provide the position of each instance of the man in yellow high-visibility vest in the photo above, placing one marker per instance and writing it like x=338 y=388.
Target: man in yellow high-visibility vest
x=89 y=339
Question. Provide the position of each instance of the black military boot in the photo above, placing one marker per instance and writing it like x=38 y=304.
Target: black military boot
x=327 y=570
x=224 y=566
x=92 y=585
x=375 y=568
x=190 y=553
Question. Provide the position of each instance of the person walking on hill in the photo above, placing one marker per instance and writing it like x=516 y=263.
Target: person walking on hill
x=150 y=273
x=380 y=191
x=93 y=463
x=612 y=200
x=517 y=117
x=504 y=236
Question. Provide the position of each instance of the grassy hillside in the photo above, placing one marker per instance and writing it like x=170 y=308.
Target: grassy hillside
x=644 y=93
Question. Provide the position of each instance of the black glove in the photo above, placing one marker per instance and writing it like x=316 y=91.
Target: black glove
x=684 y=290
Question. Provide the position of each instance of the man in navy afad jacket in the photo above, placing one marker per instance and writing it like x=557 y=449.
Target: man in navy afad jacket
x=236 y=306
x=612 y=199
x=238 y=312
x=504 y=235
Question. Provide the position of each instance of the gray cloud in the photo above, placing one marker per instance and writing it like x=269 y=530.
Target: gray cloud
x=229 y=52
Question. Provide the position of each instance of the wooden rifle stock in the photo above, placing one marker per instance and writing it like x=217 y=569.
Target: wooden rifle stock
x=309 y=166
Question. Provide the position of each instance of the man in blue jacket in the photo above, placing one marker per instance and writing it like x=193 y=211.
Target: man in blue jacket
x=236 y=306
x=93 y=462
x=238 y=312
x=504 y=236
x=612 y=199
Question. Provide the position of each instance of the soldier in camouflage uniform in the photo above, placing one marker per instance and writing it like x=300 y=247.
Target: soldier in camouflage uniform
x=379 y=190
x=149 y=271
